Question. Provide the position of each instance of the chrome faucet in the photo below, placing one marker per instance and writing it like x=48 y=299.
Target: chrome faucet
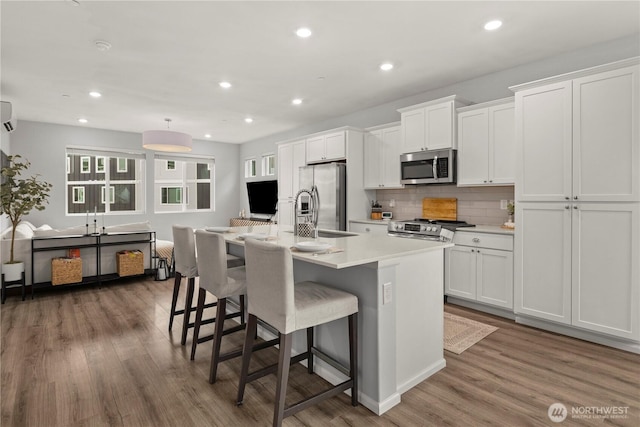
x=311 y=213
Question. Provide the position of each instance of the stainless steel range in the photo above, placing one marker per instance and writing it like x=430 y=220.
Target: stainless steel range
x=428 y=229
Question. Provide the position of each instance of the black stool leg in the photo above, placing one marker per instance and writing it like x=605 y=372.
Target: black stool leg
x=202 y=295
x=252 y=327
x=187 y=309
x=221 y=312
x=309 y=353
x=283 y=376
x=353 y=356
x=174 y=300
x=242 y=310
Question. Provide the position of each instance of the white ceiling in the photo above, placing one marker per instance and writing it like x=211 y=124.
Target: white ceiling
x=167 y=57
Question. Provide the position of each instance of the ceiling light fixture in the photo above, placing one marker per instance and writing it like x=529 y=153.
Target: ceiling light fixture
x=166 y=140
x=493 y=25
x=386 y=66
x=207 y=135
x=102 y=45
x=225 y=85
x=296 y=101
x=95 y=94
x=248 y=120
x=83 y=120
x=303 y=32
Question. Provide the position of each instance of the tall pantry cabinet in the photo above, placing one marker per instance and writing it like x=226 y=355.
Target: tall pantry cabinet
x=577 y=243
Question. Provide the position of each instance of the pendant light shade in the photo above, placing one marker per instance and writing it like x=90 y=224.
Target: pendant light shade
x=166 y=140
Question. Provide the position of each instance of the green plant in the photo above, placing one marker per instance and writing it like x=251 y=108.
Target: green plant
x=511 y=208
x=21 y=195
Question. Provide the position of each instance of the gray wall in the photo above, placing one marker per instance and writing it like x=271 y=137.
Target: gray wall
x=43 y=144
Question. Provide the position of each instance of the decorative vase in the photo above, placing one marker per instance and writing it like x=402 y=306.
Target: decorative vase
x=13 y=272
x=510 y=218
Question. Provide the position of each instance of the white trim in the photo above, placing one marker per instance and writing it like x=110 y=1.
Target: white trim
x=126 y=165
x=82 y=159
x=112 y=194
x=104 y=164
x=73 y=195
x=182 y=199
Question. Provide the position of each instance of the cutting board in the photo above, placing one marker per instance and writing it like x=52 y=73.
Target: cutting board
x=440 y=208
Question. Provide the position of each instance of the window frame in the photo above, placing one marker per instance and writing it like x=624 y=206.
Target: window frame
x=123 y=169
x=112 y=194
x=169 y=187
x=187 y=176
x=104 y=163
x=267 y=169
x=82 y=164
x=80 y=191
x=251 y=168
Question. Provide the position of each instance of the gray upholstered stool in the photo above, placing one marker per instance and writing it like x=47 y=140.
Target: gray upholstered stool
x=274 y=299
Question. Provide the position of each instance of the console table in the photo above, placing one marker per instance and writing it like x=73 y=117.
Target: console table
x=91 y=247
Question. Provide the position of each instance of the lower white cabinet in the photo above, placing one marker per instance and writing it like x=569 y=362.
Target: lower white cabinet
x=480 y=268
x=366 y=227
x=285 y=212
x=578 y=264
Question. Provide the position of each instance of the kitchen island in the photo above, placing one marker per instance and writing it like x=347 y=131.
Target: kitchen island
x=399 y=285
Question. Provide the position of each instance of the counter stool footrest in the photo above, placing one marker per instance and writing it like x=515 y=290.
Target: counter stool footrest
x=330 y=360
x=256 y=347
x=317 y=398
x=274 y=368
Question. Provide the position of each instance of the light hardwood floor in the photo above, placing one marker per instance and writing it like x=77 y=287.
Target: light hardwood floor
x=104 y=357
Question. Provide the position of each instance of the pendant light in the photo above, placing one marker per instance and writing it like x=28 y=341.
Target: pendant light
x=166 y=140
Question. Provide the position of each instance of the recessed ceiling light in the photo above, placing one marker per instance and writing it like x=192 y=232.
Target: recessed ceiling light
x=296 y=101
x=493 y=25
x=83 y=120
x=95 y=94
x=102 y=45
x=225 y=85
x=303 y=32
x=248 y=120
x=207 y=135
x=386 y=66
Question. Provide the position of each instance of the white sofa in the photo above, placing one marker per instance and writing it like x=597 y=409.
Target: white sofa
x=42 y=270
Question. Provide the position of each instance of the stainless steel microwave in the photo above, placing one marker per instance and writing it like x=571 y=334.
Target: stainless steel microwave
x=428 y=167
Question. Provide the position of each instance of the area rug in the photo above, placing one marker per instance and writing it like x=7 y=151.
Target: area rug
x=461 y=333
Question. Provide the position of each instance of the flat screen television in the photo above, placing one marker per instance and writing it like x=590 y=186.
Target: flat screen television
x=263 y=197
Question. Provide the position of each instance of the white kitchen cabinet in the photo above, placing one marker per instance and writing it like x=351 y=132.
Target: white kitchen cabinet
x=368 y=228
x=323 y=148
x=578 y=139
x=577 y=264
x=480 y=268
x=430 y=125
x=291 y=156
x=486 y=144
x=382 y=158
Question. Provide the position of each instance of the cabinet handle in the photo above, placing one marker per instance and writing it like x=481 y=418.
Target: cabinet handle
x=475 y=239
x=478 y=250
x=490 y=180
x=485 y=181
x=367 y=229
x=575 y=207
x=473 y=250
x=566 y=206
x=566 y=197
x=575 y=197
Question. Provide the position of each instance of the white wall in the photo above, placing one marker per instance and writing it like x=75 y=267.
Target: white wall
x=43 y=144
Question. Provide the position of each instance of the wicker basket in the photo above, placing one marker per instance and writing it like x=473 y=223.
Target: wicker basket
x=66 y=270
x=130 y=263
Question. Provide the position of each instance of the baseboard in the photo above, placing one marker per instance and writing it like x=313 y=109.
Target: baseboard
x=435 y=367
x=496 y=311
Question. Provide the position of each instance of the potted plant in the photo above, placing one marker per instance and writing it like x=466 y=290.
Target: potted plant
x=20 y=196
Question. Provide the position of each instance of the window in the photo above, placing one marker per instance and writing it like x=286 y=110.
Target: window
x=268 y=165
x=250 y=168
x=126 y=189
x=100 y=164
x=85 y=164
x=78 y=194
x=183 y=184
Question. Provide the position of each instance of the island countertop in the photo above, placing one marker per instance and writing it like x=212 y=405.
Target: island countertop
x=355 y=249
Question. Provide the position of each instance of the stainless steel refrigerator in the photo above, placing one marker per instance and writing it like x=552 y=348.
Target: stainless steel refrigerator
x=330 y=180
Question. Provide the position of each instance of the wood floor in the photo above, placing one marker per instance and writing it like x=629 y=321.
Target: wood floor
x=104 y=357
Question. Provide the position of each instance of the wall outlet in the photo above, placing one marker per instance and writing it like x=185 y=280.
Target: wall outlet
x=392 y=203
x=503 y=204
x=387 y=292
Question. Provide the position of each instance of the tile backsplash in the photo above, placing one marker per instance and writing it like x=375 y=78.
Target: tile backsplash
x=476 y=205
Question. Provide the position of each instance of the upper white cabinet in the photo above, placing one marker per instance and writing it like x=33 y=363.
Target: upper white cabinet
x=382 y=157
x=323 y=148
x=291 y=157
x=578 y=139
x=430 y=125
x=486 y=143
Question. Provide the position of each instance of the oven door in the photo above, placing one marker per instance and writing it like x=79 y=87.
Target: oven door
x=428 y=167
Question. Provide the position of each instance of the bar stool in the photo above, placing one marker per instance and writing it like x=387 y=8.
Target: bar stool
x=274 y=299
x=222 y=282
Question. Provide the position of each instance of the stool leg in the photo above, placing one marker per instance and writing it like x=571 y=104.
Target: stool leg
x=309 y=353
x=23 y=286
x=353 y=356
x=4 y=287
x=174 y=300
x=283 y=376
x=242 y=314
x=252 y=327
x=202 y=295
x=187 y=309
x=221 y=312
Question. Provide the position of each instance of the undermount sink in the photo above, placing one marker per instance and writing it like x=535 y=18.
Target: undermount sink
x=334 y=234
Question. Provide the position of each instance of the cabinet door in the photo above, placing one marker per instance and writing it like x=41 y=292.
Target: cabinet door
x=373 y=159
x=413 y=130
x=543 y=261
x=285 y=171
x=502 y=144
x=606 y=151
x=473 y=147
x=335 y=146
x=285 y=212
x=606 y=282
x=390 y=157
x=543 y=143
x=315 y=149
x=460 y=272
x=495 y=277
x=377 y=229
x=298 y=161
x=439 y=132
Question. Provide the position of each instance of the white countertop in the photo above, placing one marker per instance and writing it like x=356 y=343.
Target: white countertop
x=358 y=250
x=384 y=222
x=493 y=229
